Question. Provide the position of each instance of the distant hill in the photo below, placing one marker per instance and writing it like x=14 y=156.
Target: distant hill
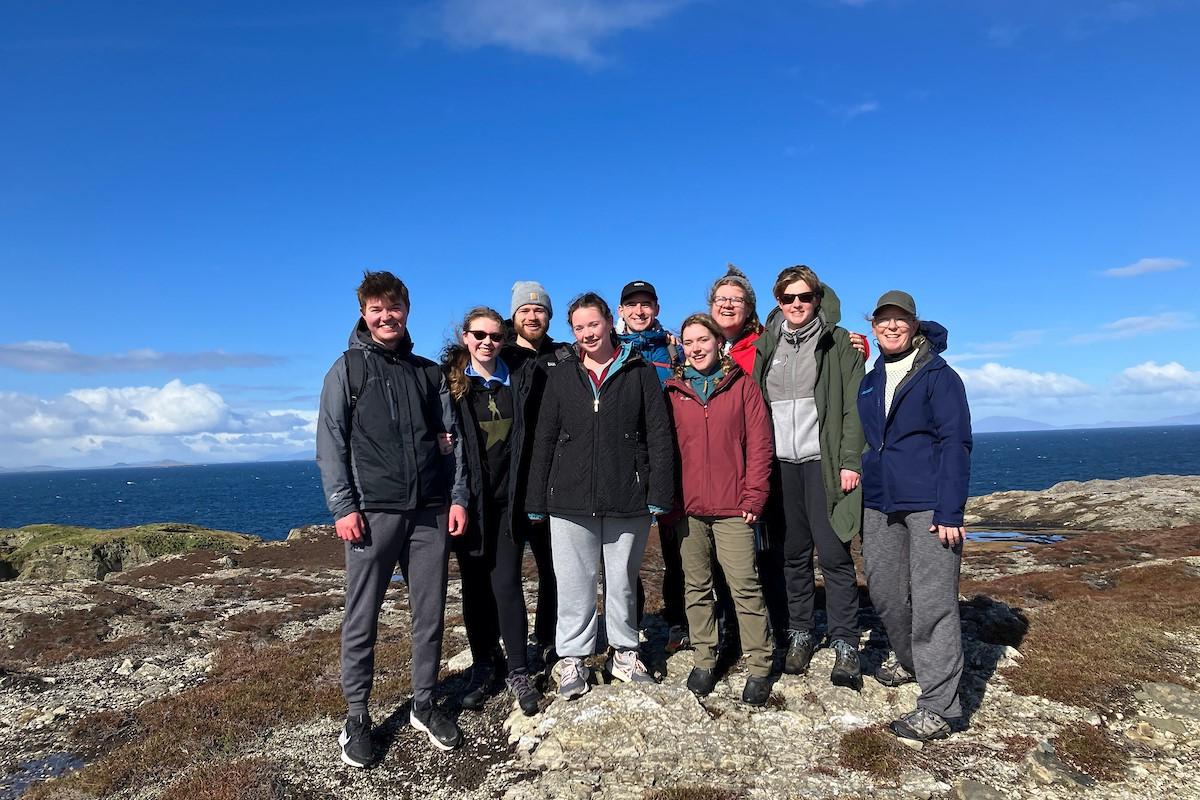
x=1015 y=424
x=1008 y=425
x=34 y=468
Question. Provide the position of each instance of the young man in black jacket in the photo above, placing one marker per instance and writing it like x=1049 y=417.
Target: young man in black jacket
x=394 y=482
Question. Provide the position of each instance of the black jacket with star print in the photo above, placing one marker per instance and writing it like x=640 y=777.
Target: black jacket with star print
x=473 y=542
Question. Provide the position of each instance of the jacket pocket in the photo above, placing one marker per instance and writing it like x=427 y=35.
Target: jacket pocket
x=560 y=448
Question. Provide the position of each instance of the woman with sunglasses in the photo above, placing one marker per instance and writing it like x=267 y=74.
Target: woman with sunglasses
x=491 y=396
x=915 y=477
x=602 y=468
x=809 y=373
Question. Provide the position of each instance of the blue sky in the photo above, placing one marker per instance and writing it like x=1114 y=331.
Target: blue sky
x=190 y=192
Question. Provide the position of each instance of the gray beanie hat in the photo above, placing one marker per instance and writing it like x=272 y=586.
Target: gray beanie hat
x=526 y=292
x=735 y=277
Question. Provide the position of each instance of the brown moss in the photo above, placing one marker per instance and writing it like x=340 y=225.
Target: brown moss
x=1125 y=641
x=1090 y=750
x=245 y=779
x=253 y=687
x=84 y=633
x=693 y=792
x=872 y=750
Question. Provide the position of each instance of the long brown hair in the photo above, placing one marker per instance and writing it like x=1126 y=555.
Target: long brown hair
x=710 y=325
x=455 y=356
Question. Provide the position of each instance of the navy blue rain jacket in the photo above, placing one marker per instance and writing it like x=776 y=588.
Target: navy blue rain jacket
x=918 y=456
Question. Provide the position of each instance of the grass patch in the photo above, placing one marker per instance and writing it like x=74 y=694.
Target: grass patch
x=1089 y=647
x=1090 y=750
x=693 y=792
x=871 y=750
x=83 y=633
x=252 y=688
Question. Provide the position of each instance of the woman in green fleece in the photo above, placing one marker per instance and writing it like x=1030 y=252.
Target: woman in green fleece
x=809 y=372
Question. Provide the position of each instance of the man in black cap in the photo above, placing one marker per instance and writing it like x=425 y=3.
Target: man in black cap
x=640 y=328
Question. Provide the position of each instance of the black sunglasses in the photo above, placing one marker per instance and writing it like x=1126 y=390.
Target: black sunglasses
x=786 y=299
x=479 y=336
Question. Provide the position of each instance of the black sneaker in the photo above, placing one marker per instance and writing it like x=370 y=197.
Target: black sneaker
x=524 y=691
x=701 y=681
x=482 y=679
x=427 y=717
x=847 y=671
x=801 y=645
x=757 y=691
x=357 y=748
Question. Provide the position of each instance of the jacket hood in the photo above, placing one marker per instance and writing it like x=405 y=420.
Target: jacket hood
x=683 y=384
x=937 y=336
x=830 y=311
x=655 y=335
x=360 y=339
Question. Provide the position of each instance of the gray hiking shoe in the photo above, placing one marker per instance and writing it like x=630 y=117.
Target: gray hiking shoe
x=624 y=665
x=921 y=725
x=573 y=676
x=847 y=671
x=893 y=673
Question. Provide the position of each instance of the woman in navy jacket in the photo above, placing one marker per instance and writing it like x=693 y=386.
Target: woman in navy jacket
x=916 y=469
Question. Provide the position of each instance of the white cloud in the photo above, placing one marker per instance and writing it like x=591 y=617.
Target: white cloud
x=1129 y=327
x=1018 y=340
x=177 y=420
x=867 y=107
x=994 y=382
x=1153 y=378
x=1004 y=34
x=1145 y=265
x=568 y=29
x=42 y=356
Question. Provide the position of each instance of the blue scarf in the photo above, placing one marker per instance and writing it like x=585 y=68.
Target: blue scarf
x=703 y=385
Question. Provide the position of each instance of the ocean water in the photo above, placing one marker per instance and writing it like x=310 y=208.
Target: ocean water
x=270 y=498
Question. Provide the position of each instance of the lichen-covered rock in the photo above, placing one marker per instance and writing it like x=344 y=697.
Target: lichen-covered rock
x=61 y=552
x=1145 y=503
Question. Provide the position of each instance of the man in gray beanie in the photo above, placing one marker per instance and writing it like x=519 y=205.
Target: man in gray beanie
x=529 y=339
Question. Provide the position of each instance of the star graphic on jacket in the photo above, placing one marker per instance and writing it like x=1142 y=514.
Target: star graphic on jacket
x=497 y=429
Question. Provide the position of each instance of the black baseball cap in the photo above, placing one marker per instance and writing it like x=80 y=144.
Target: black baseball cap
x=638 y=287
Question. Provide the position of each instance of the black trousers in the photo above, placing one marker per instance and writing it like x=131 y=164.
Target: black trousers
x=546 y=617
x=799 y=523
x=493 y=600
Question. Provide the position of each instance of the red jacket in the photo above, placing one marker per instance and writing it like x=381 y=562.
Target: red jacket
x=743 y=351
x=725 y=448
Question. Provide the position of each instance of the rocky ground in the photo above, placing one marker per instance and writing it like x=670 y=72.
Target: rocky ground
x=213 y=674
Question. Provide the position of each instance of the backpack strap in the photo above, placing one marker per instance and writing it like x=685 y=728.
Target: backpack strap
x=356 y=375
x=672 y=353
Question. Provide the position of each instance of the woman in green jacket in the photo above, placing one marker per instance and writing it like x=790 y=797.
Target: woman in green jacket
x=809 y=372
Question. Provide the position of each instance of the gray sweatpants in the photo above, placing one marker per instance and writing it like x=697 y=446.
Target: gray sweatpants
x=913 y=580
x=578 y=545
x=418 y=542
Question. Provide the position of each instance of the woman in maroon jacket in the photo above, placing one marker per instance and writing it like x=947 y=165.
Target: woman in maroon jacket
x=724 y=439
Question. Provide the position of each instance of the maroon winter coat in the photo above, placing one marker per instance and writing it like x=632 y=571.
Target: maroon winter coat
x=725 y=448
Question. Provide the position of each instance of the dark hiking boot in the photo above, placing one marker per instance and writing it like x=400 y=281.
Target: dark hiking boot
x=523 y=690
x=481 y=680
x=757 y=691
x=921 y=725
x=701 y=681
x=357 y=748
x=442 y=732
x=847 y=671
x=801 y=645
x=678 y=639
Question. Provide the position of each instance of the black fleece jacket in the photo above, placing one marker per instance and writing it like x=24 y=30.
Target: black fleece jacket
x=602 y=453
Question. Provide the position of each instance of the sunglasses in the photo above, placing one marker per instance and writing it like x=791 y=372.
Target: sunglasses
x=480 y=335
x=786 y=299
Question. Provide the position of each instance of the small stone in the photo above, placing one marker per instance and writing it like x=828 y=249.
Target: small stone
x=974 y=790
x=227 y=563
x=125 y=668
x=912 y=744
x=1174 y=726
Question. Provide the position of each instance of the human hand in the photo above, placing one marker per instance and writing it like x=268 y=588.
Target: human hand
x=859 y=343
x=350 y=527
x=951 y=535
x=446 y=444
x=749 y=518
x=456 y=525
x=849 y=480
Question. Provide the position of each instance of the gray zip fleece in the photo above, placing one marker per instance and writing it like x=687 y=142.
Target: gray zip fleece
x=383 y=455
x=791 y=382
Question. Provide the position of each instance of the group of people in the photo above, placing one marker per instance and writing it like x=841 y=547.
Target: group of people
x=747 y=445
